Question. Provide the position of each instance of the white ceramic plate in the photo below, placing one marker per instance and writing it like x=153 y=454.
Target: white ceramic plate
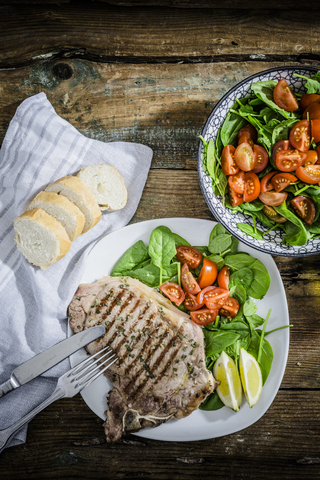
x=200 y=425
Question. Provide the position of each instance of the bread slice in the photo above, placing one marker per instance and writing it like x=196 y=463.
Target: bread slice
x=77 y=192
x=41 y=238
x=60 y=207
x=107 y=186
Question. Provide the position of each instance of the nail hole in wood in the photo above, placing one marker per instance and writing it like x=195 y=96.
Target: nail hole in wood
x=63 y=71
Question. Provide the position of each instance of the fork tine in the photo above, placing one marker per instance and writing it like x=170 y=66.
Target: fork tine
x=90 y=380
x=89 y=368
x=88 y=360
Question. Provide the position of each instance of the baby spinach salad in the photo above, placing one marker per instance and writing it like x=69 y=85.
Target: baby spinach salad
x=265 y=161
x=215 y=284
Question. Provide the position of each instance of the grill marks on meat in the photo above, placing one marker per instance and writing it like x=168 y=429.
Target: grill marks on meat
x=161 y=371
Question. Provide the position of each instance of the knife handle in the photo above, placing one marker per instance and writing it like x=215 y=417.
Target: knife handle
x=6 y=387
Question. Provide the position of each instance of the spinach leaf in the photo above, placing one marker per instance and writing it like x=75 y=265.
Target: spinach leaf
x=255 y=320
x=266 y=357
x=218 y=229
x=282 y=130
x=249 y=308
x=131 y=258
x=231 y=126
x=243 y=277
x=203 y=250
x=296 y=233
x=212 y=402
x=238 y=261
x=237 y=327
x=150 y=275
x=217 y=260
x=239 y=293
x=220 y=243
x=161 y=246
x=179 y=240
x=216 y=342
x=264 y=91
x=261 y=280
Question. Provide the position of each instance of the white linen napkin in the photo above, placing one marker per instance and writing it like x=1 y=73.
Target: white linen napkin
x=39 y=148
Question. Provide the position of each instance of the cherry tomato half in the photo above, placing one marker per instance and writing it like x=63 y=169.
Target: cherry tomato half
x=261 y=158
x=300 y=136
x=213 y=297
x=251 y=187
x=208 y=273
x=273 y=198
x=309 y=174
x=290 y=160
x=230 y=308
x=315 y=130
x=234 y=197
x=246 y=139
x=248 y=130
x=307 y=99
x=265 y=184
x=236 y=182
x=228 y=165
x=280 y=181
x=273 y=215
x=188 y=281
x=280 y=145
x=312 y=112
x=191 y=303
x=173 y=291
x=204 y=316
x=244 y=157
x=312 y=157
x=284 y=96
x=223 y=278
x=189 y=255
x=304 y=208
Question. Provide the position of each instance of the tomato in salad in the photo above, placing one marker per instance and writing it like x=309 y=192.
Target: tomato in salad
x=248 y=131
x=261 y=158
x=191 y=303
x=290 y=160
x=284 y=96
x=274 y=199
x=213 y=297
x=244 y=157
x=235 y=198
x=230 y=308
x=280 y=181
x=236 y=182
x=312 y=158
x=204 y=316
x=315 y=130
x=251 y=187
x=208 y=273
x=228 y=165
x=304 y=208
x=300 y=136
x=273 y=215
x=312 y=112
x=307 y=99
x=309 y=174
x=280 y=145
x=265 y=184
x=173 y=291
x=223 y=278
x=189 y=255
x=188 y=281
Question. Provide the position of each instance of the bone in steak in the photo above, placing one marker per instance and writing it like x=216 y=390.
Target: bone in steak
x=161 y=373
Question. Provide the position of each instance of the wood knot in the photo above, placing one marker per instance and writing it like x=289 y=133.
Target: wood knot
x=62 y=71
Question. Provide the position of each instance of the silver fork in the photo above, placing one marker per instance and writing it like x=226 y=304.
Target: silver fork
x=68 y=385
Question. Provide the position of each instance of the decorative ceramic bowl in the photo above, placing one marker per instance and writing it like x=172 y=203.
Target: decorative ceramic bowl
x=272 y=242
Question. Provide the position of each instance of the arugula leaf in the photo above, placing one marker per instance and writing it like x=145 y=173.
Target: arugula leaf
x=296 y=233
x=264 y=91
x=249 y=230
x=312 y=84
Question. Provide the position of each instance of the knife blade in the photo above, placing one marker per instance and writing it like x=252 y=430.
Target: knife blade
x=43 y=361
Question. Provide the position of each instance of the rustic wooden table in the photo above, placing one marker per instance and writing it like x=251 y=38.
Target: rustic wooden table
x=152 y=74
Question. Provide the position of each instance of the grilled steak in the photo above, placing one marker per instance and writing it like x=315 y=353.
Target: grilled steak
x=161 y=372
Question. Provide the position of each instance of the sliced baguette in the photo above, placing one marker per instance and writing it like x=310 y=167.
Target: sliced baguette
x=107 y=186
x=60 y=207
x=77 y=192
x=41 y=238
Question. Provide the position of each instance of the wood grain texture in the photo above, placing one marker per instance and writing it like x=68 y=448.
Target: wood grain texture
x=277 y=446
x=108 y=33
x=162 y=106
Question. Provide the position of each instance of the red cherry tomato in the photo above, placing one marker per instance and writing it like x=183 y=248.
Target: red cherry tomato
x=213 y=297
x=304 y=208
x=318 y=152
x=246 y=139
x=280 y=181
x=309 y=174
x=244 y=157
x=189 y=255
x=284 y=96
x=312 y=112
x=280 y=145
x=307 y=99
x=204 y=316
x=208 y=273
x=300 y=136
x=273 y=215
x=290 y=160
x=315 y=130
x=188 y=281
x=272 y=198
x=173 y=291
x=312 y=157
x=261 y=158
x=228 y=165
x=251 y=187
x=223 y=278
x=230 y=308
x=236 y=182
x=235 y=198
x=191 y=303
x=265 y=184
x=248 y=130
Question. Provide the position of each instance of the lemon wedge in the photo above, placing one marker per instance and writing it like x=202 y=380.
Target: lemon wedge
x=229 y=390
x=251 y=377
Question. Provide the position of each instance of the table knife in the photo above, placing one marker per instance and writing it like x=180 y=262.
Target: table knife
x=43 y=361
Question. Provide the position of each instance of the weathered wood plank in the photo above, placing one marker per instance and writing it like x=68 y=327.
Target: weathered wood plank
x=66 y=440
x=163 y=106
x=107 y=33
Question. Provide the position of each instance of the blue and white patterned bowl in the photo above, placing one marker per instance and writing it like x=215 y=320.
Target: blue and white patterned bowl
x=272 y=242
